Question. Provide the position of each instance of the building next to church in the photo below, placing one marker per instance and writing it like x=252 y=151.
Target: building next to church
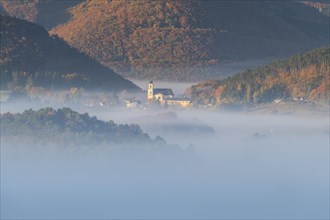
x=165 y=97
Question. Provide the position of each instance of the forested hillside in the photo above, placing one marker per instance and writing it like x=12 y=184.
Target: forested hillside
x=67 y=128
x=304 y=75
x=185 y=40
x=31 y=58
x=139 y=34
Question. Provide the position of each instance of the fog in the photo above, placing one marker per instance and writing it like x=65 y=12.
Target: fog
x=246 y=166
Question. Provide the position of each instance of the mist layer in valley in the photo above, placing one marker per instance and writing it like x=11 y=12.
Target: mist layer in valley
x=242 y=166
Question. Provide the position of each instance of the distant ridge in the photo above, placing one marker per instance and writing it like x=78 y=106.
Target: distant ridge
x=30 y=57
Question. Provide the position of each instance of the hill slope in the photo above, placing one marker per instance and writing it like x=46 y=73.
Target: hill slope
x=30 y=57
x=182 y=40
x=304 y=75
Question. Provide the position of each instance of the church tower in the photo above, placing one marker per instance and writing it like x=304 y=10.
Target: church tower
x=150 y=91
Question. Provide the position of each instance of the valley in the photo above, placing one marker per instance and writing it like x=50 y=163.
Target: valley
x=167 y=109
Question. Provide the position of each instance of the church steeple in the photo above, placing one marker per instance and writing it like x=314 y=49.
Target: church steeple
x=150 y=91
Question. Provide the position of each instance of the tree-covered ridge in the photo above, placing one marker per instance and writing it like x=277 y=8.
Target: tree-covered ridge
x=67 y=127
x=139 y=34
x=31 y=58
x=173 y=39
x=304 y=75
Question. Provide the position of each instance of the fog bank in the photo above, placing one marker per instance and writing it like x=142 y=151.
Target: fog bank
x=252 y=166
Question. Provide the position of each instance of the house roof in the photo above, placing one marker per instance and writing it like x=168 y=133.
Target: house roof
x=163 y=92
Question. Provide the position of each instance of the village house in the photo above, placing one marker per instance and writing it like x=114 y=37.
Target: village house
x=132 y=103
x=278 y=100
x=165 y=97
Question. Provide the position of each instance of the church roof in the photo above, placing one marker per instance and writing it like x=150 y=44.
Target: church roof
x=179 y=99
x=163 y=92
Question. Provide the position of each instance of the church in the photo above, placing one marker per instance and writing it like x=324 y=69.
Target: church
x=165 y=97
